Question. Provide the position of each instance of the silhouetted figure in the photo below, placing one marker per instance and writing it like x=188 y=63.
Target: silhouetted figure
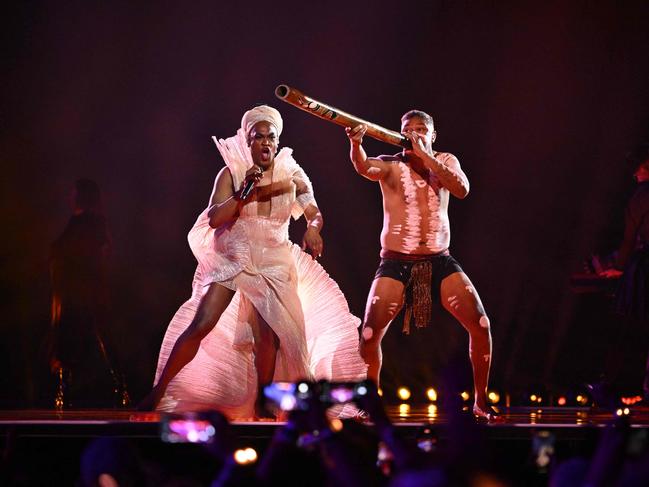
x=78 y=354
x=632 y=264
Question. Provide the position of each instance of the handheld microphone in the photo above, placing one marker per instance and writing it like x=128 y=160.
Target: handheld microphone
x=247 y=189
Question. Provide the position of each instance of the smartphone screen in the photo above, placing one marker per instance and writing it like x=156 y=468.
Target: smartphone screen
x=288 y=396
x=341 y=392
x=175 y=429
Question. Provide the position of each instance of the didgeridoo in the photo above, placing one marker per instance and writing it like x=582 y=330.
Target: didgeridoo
x=333 y=114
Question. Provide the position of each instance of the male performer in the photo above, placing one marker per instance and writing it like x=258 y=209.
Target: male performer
x=244 y=257
x=416 y=266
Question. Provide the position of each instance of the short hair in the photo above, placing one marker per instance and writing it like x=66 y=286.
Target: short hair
x=428 y=120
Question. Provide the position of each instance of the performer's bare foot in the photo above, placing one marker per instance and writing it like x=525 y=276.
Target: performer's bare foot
x=151 y=400
x=486 y=414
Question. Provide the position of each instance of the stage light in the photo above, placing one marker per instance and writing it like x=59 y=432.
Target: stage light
x=245 y=456
x=432 y=394
x=494 y=397
x=630 y=401
x=562 y=401
x=623 y=412
x=379 y=391
x=432 y=411
x=581 y=399
x=536 y=398
x=465 y=396
x=404 y=410
x=403 y=393
x=335 y=425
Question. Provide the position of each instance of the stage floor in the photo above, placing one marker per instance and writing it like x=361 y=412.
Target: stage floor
x=403 y=416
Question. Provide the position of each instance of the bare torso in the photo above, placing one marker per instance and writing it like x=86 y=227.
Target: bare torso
x=415 y=209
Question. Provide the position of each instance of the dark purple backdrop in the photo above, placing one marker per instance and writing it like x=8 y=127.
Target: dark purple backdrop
x=540 y=103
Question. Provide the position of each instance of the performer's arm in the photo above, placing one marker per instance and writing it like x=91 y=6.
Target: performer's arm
x=371 y=168
x=225 y=202
x=448 y=172
x=312 y=239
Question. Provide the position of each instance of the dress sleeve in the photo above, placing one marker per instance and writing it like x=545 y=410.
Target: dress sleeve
x=303 y=193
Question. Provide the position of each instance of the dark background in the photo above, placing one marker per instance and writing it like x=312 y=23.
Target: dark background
x=540 y=102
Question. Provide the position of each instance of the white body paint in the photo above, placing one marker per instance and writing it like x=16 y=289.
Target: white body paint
x=423 y=217
x=439 y=233
x=412 y=232
x=454 y=302
x=367 y=333
x=484 y=322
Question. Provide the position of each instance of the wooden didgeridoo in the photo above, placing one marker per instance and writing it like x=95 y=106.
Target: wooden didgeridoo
x=333 y=114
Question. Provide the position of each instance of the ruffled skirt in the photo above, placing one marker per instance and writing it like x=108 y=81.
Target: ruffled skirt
x=318 y=338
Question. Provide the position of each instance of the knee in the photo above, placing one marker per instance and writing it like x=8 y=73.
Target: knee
x=370 y=341
x=481 y=327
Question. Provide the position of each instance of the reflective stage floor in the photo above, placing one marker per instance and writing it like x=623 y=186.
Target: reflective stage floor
x=403 y=416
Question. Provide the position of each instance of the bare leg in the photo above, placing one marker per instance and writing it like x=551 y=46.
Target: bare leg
x=383 y=303
x=212 y=305
x=461 y=299
x=266 y=347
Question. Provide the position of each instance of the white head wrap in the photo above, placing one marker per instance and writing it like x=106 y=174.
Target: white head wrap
x=262 y=113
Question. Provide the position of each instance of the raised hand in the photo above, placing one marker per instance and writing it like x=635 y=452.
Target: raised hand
x=254 y=175
x=418 y=145
x=356 y=134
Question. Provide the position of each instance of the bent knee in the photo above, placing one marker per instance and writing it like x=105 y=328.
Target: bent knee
x=479 y=326
x=484 y=322
x=370 y=337
x=367 y=335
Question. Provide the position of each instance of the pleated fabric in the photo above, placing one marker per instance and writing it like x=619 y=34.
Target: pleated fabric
x=272 y=277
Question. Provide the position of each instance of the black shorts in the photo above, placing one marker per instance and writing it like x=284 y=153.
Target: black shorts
x=443 y=266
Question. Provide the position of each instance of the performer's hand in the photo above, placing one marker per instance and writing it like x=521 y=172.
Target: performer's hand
x=255 y=173
x=611 y=273
x=418 y=147
x=312 y=241
x=356 y=134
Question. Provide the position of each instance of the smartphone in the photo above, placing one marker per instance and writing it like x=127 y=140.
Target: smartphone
x=426 y=439
x=384 y=460
x=543 y=449
x=186 y=428
x=288 y=396
x=341 y=392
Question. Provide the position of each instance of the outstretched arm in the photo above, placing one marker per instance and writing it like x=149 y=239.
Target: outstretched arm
x=225 y=202
x=448 y=171
x=368 y=167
